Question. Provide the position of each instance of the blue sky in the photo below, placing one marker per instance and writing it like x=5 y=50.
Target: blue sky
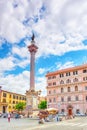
x=60 y=29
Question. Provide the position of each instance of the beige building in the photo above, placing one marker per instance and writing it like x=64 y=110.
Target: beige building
x=67 y=89
x=8 y=100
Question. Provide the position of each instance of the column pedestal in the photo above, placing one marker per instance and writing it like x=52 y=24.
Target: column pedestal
x=32 y=99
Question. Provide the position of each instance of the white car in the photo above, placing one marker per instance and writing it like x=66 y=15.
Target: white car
x=79 y=114
x=62 y=114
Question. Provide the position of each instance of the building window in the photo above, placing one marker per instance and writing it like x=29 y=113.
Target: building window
x=84 y=78
x=68 y=74
x=49 y=92
x=68 y=89
x=13 y=96
x=9 y=107
x=86 y=98
x=53 y=77
x=62 y=99
x=68 y=81
x=23 y=98
x=75 y=72
x=50 y=100
x=85 y=87
x=77 y=98
x=54 y=91
x=13 y=102
x=16 y=97
x=85 y=71
x=76 y=88
x=69 y=99
x=54 y=83
x=61 y=75
x=49 y=77
x=62 y=90
x=9 y=101
x=49 y=84
x=54 y=100
x=62 y=110
x=10 y=96
x=61 y=82
x=4 y=94
x=75 y=80
x=4 y=100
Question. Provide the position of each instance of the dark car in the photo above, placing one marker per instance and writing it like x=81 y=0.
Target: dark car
x=4 y=115
x=17 y=116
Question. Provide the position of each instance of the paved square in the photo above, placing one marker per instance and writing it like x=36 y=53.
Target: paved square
x=32 y=124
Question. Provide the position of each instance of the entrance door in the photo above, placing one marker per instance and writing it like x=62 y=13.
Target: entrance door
x=70 y=111
x=4 y=109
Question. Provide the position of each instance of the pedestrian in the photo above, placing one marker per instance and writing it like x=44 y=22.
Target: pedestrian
x=9 y=116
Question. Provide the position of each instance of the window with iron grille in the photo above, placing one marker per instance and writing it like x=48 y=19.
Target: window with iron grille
x=76 y=88
x=77 y=98
x=85 y=71
x=69 y=98
x=4 y=94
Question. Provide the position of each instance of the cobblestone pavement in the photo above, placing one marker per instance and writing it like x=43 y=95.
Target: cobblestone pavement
x=30 y=124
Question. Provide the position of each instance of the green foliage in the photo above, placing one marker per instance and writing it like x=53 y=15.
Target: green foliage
x=20 y=106
x=42 y=105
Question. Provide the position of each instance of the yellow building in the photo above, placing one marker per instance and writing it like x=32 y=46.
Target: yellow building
x=8 y=100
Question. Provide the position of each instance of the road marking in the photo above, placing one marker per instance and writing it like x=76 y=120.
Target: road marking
x=71 y=124
x=82 y=124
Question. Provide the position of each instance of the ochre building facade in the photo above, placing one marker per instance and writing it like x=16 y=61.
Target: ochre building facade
x=8 y=100
x=67 y=90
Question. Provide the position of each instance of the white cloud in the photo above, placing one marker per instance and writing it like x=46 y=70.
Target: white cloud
x=10 y=63
x=63 y=21
x=7 y=64
x=41 y=70
x=68 y=64
x=41 y=85
x=16 y=83
x=20 y=83
x=20 y=51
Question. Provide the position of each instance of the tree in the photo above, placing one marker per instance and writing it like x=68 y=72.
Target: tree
x=20 y=106
x=42 y=105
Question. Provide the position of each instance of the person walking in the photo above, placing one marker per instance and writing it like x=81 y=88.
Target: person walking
x=9 y=116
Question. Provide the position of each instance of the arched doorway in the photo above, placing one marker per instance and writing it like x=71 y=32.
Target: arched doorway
x=4 y=109
x=70 y=110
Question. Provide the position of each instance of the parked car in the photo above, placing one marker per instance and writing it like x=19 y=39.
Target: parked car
x=17 y=116
x=62 y=114
x=79 y=114
x=5 y=115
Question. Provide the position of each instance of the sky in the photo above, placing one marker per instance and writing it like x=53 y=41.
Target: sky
x=60 y=28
